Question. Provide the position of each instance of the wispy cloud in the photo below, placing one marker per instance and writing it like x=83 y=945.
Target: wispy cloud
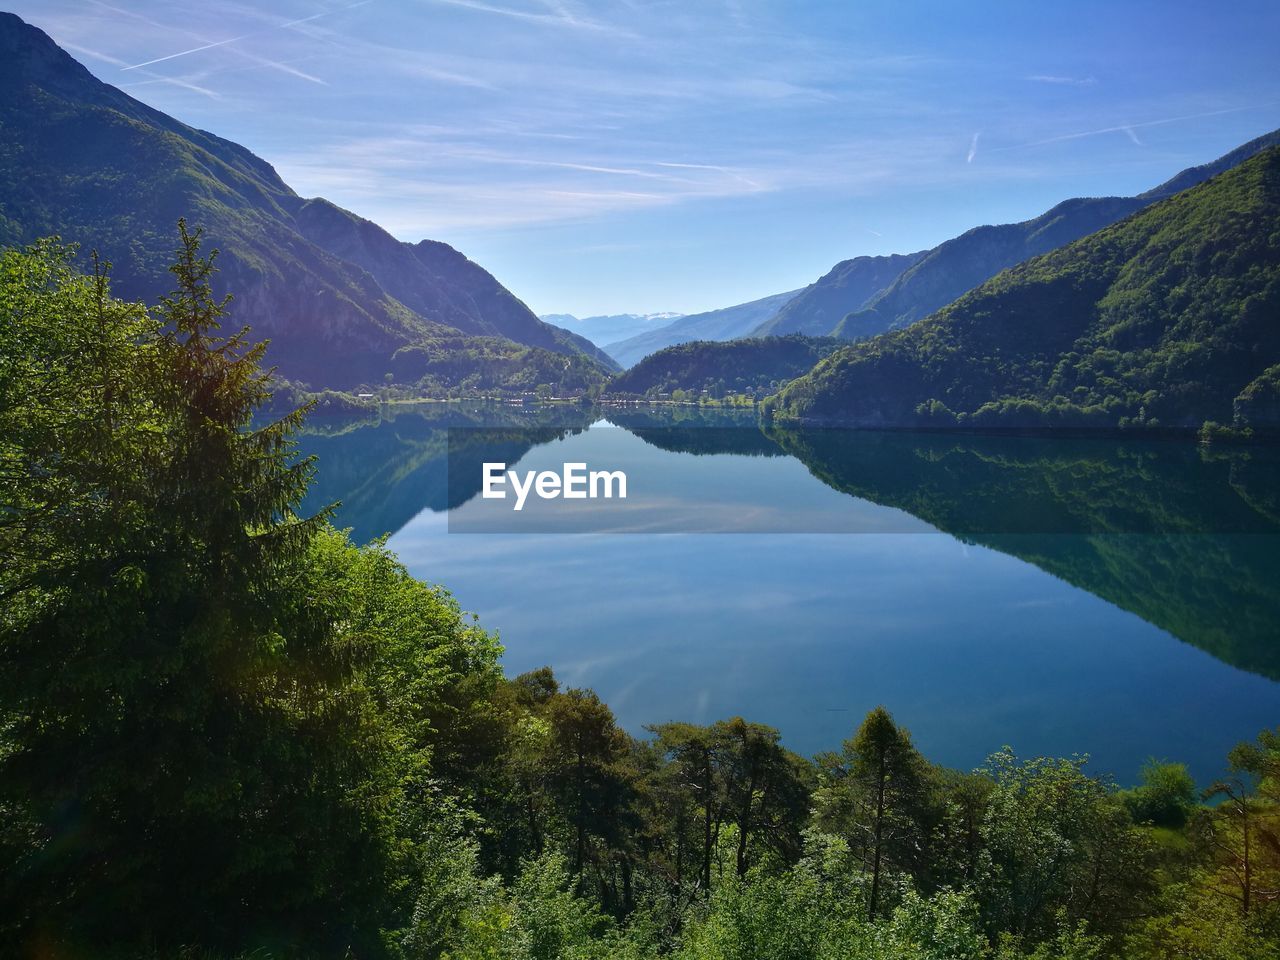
x=551 y=14
x=95 y=54
x=1063 y=81
x=445 y=182
x=182 y=82
x=441 y=185
x=522 y=128
x=185 y=83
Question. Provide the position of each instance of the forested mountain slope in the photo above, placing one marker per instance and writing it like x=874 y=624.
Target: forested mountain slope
x=337 y=295
x=754 y=367
x=1166 y=320
x=953 y=268
x=849 y=285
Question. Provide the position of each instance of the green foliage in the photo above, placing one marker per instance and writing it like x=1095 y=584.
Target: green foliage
x=812 y=913
x=147 y=608
x=226 y=730
x=1166 y=797
x=875 y=794
x=583 y=761
x=1056 y=841
x=1195 y=922
x=213 y=712
x=785 y=917
x=709 y=369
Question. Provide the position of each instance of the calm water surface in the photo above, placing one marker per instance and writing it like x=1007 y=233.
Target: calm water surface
x=1065 y=596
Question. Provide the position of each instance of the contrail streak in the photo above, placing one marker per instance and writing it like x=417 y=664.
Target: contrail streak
x=173 y=56
x=245 y=36
x=1128 y=128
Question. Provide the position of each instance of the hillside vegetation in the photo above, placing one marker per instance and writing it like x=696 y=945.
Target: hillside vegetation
x=228 y=731
x=953 y=268
x=1168 y=319
x=751 y=368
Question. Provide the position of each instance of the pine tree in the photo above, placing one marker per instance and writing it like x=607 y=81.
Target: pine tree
x=183 y=732
x=874 y=793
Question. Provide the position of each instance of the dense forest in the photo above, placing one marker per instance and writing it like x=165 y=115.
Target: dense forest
x=749 y=369
x=1166 y=320
x=226 y=730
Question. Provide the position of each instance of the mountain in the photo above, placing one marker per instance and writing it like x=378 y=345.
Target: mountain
x=754 y=366
x=1168 y=319
x=944 y=273
x=723 y=324
x=850 y=285
x=433 y=279
x=601 y=330
x=337 y=295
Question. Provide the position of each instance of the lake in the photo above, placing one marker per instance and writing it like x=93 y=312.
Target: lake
x=1118 y=598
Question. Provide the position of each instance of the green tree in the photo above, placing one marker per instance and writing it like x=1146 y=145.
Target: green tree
x=874 y=793
x=1242 y=831
x=585 y=771
x=766 y=791
x=1166 y=796
x=1058 y=846
x=190 y=753
x=694 y=752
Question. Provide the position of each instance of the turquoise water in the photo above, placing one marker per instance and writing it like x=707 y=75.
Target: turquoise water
x=1063 y=596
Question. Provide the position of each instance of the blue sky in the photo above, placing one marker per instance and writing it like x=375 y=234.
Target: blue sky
x=632 y=156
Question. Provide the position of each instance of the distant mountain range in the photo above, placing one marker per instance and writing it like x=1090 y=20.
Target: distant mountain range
x=1149 y=311
x=818 y=308
x=864 y=296
x=342 y=301
x=604 y=329
x=726 y=323
x=1167 y=319
x=959 y=265
x=869 y=295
